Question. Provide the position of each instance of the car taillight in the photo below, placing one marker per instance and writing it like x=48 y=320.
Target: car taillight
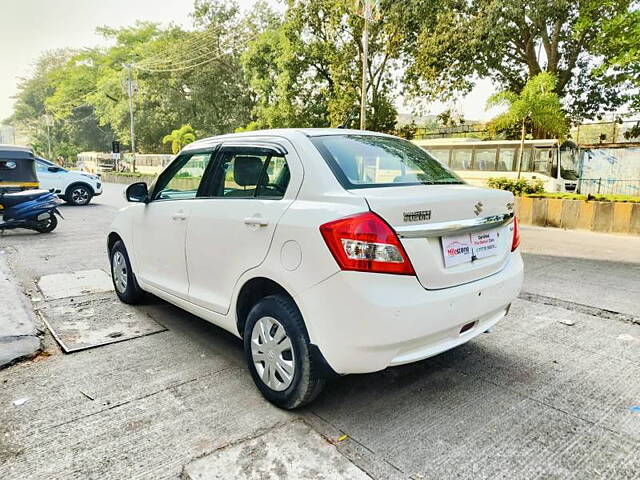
x=366 y=243
x=516 y=234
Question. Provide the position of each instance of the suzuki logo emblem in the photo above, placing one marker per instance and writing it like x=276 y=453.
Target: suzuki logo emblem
x=477 y=208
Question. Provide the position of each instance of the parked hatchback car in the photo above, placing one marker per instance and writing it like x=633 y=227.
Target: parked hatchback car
x=327 y=251
x=74 y=187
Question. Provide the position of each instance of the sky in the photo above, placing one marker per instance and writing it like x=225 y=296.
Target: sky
x=30 y=27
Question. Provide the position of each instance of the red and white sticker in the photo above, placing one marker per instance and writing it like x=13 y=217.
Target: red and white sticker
x=465 y=248
x=456 y=250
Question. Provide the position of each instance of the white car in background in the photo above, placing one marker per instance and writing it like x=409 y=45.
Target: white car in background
x=74 y=187
x=326 y=250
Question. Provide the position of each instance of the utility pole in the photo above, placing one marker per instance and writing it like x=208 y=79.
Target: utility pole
x=129 y=67
x=368 y=7
x=365 y=55
x=46 y=119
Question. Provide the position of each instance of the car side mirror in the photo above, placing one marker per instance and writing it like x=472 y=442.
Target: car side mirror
x=137 y=192
x=54 y=169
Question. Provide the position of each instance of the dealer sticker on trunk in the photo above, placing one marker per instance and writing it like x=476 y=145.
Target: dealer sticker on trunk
x=460 y=249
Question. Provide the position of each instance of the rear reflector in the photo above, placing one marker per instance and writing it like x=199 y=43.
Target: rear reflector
x=516 y=234
x=366 y=243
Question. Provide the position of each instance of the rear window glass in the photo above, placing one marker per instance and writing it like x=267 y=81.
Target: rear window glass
x=361 y=161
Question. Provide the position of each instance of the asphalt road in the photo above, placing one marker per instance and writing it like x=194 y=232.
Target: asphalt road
x=549 y=393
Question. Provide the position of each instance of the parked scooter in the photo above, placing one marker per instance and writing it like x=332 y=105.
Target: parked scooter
x=30 y=209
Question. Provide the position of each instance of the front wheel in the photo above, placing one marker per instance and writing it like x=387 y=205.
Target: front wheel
x=124 y=281
x=78 y=195
x=276 y=346
x=46 y=226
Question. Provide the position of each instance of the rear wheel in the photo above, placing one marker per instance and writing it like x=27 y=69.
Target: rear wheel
x=78 y=194
x=48 y=225
x=124 y=281
x=276 y=346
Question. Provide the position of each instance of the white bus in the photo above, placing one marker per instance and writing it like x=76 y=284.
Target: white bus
x=477 y=160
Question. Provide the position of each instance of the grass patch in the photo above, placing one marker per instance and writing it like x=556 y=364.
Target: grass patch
x=586 y=198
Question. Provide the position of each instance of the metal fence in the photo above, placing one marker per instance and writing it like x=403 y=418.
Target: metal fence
x=603 y=186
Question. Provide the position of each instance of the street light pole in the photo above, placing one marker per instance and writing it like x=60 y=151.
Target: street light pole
x=133 y=135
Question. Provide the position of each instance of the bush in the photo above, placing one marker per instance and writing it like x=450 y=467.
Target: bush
x=518 y=187
x=588 y=197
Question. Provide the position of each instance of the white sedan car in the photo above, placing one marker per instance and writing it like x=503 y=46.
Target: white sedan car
x=327 y=251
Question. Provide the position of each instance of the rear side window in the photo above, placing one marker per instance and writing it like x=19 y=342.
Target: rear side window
x=362 y=161
x=251 y=174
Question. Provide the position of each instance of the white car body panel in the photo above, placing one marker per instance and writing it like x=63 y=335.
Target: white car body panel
x=360 y=321
x=61 y=180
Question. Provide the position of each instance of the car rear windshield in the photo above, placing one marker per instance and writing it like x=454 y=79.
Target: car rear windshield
x=364 y=161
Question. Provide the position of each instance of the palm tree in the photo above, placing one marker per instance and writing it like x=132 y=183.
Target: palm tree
x=180 y=137
x=537 y=104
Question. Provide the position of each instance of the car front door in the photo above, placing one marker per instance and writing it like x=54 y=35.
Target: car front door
x=160 y=228
x=230 y=232
x=50 y=179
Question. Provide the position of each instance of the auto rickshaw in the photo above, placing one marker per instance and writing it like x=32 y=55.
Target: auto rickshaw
x=22 y=204
x=17 y=169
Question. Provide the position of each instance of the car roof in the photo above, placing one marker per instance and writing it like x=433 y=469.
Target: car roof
x=287 y=133
x=15 y=148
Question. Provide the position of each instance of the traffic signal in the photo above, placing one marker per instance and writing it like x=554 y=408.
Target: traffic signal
x=115 y=146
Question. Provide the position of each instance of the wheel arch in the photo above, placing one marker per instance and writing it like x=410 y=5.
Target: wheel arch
x=112 y=238
x=251 y=292
x=257 y=288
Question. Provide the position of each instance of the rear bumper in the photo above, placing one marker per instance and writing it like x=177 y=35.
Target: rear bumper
x=363 y=322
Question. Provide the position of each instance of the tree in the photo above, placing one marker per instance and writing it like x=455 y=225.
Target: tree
x=180 y=137
x=619 y=45
x=513 y=41
x=306 y=70
x=537 y=105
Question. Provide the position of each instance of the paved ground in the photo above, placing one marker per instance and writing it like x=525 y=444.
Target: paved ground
x=547 y=394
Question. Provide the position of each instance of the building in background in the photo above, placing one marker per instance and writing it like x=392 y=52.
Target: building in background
x=7 y=134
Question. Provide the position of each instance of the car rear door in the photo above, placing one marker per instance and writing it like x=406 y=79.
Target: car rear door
x=160 y=227
x=230 y=232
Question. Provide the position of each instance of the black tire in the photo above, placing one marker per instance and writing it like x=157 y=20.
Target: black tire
x=48 y=225
x=131 y=292
x=307 y=379
x=78 y=194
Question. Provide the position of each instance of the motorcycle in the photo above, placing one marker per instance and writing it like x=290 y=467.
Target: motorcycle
x=30 y=209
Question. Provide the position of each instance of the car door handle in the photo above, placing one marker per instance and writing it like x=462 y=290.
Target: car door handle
x=259 y=221
x=179 y=216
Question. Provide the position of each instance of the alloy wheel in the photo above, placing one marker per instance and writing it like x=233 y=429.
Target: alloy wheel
x=80 y=196
x=272 y=354
x=119 y=271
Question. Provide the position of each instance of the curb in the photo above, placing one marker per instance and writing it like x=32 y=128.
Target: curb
x=18 y=333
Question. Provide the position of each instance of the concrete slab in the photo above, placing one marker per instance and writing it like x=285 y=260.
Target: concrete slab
x=294 y=450
x=64 y=285
x=85 y=322
x=18 y=334
x=16 y=348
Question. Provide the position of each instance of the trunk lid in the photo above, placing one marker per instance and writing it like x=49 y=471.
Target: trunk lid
x=423 y=215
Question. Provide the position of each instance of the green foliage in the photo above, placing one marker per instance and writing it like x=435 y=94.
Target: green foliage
x=306 y=70
x=536 y=105
x=180 y=137
x=518 y=187
x=500 y=40
x=619 y=44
